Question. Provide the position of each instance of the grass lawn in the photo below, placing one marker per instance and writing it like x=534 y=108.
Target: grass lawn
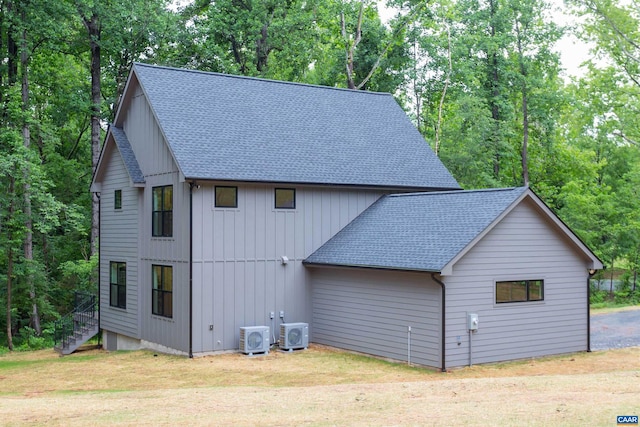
x=318 y=387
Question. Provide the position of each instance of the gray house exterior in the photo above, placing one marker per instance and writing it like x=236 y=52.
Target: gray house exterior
x=227 y=199
x=455 y=252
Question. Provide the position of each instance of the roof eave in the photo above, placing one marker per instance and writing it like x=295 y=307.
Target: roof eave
x=402 y=188
x=369 y=267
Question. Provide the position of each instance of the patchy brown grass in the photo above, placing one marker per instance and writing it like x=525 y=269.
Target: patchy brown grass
x=319 y=386
x=606 y=310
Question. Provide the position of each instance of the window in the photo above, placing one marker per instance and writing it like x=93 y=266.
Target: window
x=117 y=199
x=226 y=197
x=285 y=198
x=162 y=298
x=163 y=211
x=519 y=291
x=118 y=284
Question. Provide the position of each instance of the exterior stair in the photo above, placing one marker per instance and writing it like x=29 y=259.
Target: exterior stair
x=76 y=328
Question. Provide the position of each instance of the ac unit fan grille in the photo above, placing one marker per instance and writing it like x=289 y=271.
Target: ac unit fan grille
x=295 y=336
x=254 y=340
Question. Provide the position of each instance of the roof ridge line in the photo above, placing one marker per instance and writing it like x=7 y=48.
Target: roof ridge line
x=477 y=190
x=259 y=79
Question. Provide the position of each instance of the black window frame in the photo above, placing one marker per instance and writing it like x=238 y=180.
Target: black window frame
x=162 y=290
x=218 y=203
x=275 y=198
x=118 y=288
x=162 y=211
x=528 y=293
x=117 y=199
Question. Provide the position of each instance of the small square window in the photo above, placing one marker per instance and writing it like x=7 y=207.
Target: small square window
x=117 y=199
x=285 y=198
x=226 y=197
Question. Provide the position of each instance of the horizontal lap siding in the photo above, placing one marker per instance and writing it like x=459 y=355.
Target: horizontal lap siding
x=238 y=275
x=370 y=312
x=522 y=246
x=118 y=243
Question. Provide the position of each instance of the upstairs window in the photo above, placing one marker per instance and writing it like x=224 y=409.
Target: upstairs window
x=226 y=197
x=162 y=297
x=117 y=199
x=285 y=198
x=118 y=284
x=519 y=291
x=162 y=211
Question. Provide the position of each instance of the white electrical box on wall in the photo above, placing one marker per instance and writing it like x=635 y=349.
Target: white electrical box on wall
x=472 y=321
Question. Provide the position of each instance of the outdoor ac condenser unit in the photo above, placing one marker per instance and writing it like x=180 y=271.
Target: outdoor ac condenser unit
x=294 y=336
x=254 y=339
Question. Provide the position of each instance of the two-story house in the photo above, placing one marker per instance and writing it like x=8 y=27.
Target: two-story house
x=229 y=202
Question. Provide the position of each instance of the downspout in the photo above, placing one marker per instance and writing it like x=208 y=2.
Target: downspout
x=192 y=184
x=99 y=233
x=591 y=274
x=441 y=283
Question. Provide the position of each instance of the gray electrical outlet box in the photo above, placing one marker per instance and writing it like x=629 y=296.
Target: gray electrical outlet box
x=472 y=321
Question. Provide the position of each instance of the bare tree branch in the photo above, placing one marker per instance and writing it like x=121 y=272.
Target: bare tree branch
x=401 y=26
x=444 y=91
x=626 y=138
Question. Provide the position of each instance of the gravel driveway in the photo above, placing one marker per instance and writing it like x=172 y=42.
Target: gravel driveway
x=615 y=330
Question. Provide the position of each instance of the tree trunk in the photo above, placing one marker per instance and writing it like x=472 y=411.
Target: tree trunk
x=12 y=49
x=10 y=264
x=495 y=93
x=525 y=112
x=444 y=92
x=350 y=48
x=93 y=27
x=262 y=48
x=611 y=282
x=26 y=188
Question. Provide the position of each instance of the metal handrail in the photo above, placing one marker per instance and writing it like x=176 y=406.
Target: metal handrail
x=85 y=309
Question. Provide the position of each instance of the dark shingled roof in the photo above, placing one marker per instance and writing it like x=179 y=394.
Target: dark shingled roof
x=235 y=128
x=128 y=157
x=417 y=231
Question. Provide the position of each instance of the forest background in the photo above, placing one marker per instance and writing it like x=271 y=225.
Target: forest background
x=481 y=79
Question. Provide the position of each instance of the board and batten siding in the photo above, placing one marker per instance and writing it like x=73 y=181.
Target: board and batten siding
x=159 y=169
x=238 y=275
x=523 y=246
x=146 y=138
x=370 y=311
x=119 y=243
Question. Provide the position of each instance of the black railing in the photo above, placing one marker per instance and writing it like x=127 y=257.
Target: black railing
x=84 y=315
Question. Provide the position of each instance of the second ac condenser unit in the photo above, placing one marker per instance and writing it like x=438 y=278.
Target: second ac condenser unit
x=294 y=336
x=254 y=339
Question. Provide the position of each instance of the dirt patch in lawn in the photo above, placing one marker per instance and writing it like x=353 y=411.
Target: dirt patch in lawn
x=319 y=386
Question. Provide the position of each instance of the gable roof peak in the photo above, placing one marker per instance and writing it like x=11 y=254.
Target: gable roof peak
x=259 y=79
x=233 y=128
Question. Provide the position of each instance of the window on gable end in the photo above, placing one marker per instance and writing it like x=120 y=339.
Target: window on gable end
x=519 y=291
x=117 y=199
